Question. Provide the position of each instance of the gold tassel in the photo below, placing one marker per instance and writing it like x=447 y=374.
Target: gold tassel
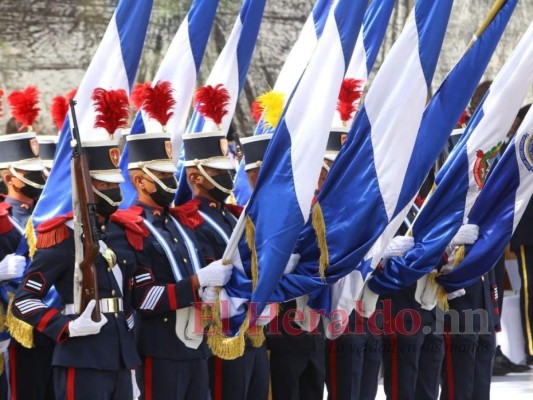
x=442 y=299
x=459 y=255
x=21 y=331
x=256 y=336
x=31 y=238
x=2 y=361
x=222 y=346
x=320 y=230
x=250 y=240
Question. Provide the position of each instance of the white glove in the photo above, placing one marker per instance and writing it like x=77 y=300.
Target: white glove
x=467 y=234
x=399 y=245
x=293 y=262
x=428 y=300
x=209 y=295
x=456 y=294
x=215 y=274
x=369 y=300
x=4 y=344
x=84 y=325
x=12 y=266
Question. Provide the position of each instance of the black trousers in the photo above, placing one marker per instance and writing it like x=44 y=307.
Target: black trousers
x=352 y=366
x=92 y=384
x=245 y=378
x=170 y=379
x=30 y=372
x=296 y=376
x=467 y=368
x=525 y=267
x=411 y=365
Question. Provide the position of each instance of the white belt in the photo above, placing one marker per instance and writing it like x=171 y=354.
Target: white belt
x=110 y=305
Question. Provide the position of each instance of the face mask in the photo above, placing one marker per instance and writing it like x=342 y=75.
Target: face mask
x=107 y=201
x=224 y=180
x=163 y=197
x=35 y=177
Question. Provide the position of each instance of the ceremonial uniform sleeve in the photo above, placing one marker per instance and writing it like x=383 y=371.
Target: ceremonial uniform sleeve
x=152 y=293
x=47 y=267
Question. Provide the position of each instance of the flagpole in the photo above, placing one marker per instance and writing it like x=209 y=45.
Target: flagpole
x=496 y=7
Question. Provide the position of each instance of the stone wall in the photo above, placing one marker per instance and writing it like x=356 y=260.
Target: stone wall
x=50 y=43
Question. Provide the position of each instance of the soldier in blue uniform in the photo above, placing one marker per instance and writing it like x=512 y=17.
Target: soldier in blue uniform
x=20 y=168
x=353 y=359
x=209 y=176
x=169 y=278
x=91 y=359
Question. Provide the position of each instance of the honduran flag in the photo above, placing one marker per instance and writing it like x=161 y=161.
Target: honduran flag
x=281 y=201
x=462 y=177
x=290 y=73
x=375 y=173
x=230 y=70
x=368 y=43
x=180 y=66
x=114 y=66
x=498 y=209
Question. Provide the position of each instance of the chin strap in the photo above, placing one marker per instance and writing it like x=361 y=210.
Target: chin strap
x=213 y=182
x=26 y=181
x=159 y=182
x=107 y=198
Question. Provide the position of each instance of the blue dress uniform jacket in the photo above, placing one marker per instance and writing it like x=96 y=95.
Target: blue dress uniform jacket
x=156 y=293
x=113 y=348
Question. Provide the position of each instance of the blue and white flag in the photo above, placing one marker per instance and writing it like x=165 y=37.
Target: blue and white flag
x=114 y=66
x=180 y=66
x=230 y=70
x=280 y=204
x=460 y=180
x=375 y=174
x=498 y=209
x=288 y=77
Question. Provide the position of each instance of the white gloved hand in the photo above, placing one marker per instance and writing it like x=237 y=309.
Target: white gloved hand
x=215 y=274
x=12 y=266
x=293 y=262
x=420 y=287
x=467 y=234
x=4 y=344
x=456 y=294
x=399 y=245
x=209 y=294
x=369 y=299
x=428 y=300
x=84 y=325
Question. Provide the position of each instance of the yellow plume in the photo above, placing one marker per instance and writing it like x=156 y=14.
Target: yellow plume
x=272 y=105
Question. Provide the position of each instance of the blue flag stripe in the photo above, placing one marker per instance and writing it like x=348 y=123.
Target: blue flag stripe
x=344 y=15
x=199 y=31
x=374 y=27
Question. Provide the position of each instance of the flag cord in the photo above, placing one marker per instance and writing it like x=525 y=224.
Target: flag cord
x=320 y=230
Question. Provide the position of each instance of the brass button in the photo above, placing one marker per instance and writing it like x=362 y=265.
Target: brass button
x=175 y=240
x=185 y=260
x=109 y=269
x=113 y=292
x=482 y=278
x=103 y=228
x=124 y=262
x=165 y=319
x=223 y=213
x=116 y=315
x=166 y=220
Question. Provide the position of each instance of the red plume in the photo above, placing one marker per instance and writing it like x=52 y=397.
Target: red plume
x=257 y=111
x=112 y=109
x=159 y=102
x=138 y=95
x=351 y=91
x=212 y=102
x=71 y=94
x=1 y=95
x=24 y=106
x=59 y=111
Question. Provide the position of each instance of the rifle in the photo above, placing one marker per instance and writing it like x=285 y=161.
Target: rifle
x=85 y=226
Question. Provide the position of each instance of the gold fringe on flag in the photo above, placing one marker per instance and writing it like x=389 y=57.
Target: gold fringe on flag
x=442 y=296
x=320 y=230
x=256 y=335
x=459 y=255
x=21 y=331
x=250 y=240
x=31 y=238
x=222 y=346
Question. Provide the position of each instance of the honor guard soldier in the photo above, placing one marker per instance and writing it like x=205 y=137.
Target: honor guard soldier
x=353 y=359
x=22 y=171
x=169 y=276
x=209 y=175
x=91 y=359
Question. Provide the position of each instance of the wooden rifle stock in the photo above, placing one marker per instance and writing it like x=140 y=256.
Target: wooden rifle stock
x=87 y=209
